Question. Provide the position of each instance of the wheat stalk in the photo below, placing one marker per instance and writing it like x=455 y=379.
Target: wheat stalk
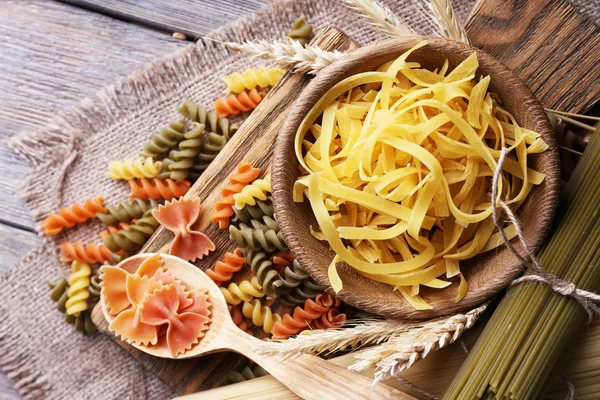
x=289 y=53
x=379 y=16
x=442 y=15
x=401 y=351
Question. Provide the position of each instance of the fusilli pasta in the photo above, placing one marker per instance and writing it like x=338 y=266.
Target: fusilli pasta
x=238 y=318
x=95 y=288
x=197 y=113
x=330 y=320
x=302 y=316
x=268 y=240
x=186 y=152
x=261 y=209
x=247 y=373
x=82 y=322
x=252 y=78
x=59 y=294
x=209 y=151
x=301 y=31
x=244 y=175
x=260 y=315
x=114 y=229
x=78 y=293
x=69 y=216
x=237 y=103
x=135 y=235
x=223 y=271
x=166 y=139
x=137 y=169
x=91 y=253
x=126 y=211
x=158 y=189
x=244 y=291
x=257 y=190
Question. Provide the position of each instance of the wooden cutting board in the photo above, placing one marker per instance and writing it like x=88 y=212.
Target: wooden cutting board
x=550 y=46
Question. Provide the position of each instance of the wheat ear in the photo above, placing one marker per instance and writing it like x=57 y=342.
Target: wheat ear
x=401 y=351
x=440 y=14
x=289 y=53
x=379 y=16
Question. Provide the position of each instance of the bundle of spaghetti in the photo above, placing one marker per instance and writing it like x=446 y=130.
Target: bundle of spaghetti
x=91 y=253
x=210 y=149
x=244 y=175
x=252 y=78
x=69 y=216
x=158 y=189
x=238 y=318
x=78 y=293
x=115 y=229
x=258 y=237
x=237 y=103
x=331 y=319
x=165 y=140
x=301 y=31
x=247 y=373
x=302 y=316
x=261 y=209
x=135 y=235
x=223 y=270
x=245 y=291
x=133 y=169
x=186 y=152
x=260 y=314
x=126 y=211
x=257 y=190
x=197 y=113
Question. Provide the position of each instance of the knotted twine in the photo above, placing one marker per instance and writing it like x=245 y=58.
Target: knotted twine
x=590 y=301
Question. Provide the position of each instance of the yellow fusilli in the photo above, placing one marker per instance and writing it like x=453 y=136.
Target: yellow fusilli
x=134 y=170
x=244 y=291
x=251 y=78
x=261 y=315
x=256 y=190
x=78 y=292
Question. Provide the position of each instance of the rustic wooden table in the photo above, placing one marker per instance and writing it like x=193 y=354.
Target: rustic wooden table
x=53 y=54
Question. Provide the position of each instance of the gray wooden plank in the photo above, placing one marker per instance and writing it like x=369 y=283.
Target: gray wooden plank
x=14 y=244
x=7 y=391
x=191 y=17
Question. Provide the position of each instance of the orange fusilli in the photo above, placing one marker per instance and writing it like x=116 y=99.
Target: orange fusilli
x=237 y=103
x=69 y=216
x=302 y=316
x=158 y=189
x=244 y=175
x=223 y=270
x=91 y=254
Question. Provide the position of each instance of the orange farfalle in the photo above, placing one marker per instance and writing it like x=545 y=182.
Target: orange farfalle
x=178 y=216
x=128 y=324
x=158 y=189
x=152 y=267
x=244 y=176
x=223 y=270
x=68 y=217
x=91 y=254
x=184 y=329
x=237 y=103
x=114 y=289
x=302 y=316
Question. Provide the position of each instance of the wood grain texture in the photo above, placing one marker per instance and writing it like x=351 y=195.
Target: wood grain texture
x=14 y=244
x=192 y=18
x=487 y=273
x=257 y=137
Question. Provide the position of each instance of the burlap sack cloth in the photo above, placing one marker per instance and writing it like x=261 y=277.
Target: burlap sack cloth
x=43 y=356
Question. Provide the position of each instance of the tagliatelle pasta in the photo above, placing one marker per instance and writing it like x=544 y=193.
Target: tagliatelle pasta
x=398 y=164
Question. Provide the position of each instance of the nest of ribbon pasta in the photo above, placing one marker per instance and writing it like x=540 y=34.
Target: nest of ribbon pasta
x=398 y=166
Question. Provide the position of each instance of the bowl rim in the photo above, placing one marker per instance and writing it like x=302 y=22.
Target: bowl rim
x=352 y=64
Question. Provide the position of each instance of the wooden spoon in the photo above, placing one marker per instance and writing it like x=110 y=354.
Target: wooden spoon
x=310 y=377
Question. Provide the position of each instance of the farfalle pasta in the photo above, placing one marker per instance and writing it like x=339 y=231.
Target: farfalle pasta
x=70 y=216
x=178 y=216
x=136 y=169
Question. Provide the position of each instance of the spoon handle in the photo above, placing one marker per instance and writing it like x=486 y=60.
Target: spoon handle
x=311 y=377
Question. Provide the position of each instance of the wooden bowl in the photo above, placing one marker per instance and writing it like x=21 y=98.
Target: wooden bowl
x=486 y=273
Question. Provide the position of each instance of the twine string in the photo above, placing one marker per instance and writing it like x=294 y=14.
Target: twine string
x=588 y=300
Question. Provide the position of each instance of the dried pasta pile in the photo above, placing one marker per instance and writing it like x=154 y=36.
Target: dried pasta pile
x=398 y=167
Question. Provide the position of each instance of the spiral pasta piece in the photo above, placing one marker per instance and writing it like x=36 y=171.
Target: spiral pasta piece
x=91 y=253
x=330 y=320
x=301 y=31
x=258 y=211
x=238 y=318
x=95 y=288
x=223 y=270
x=114 y=229
x=257 y=239
x=137 y=169
x=158 y=189
x=209 y=151
x=261 y=315
x=190 y=109
x=257 y=190
x=302 y=316
x=247 y=373
x=166 y=139
x=78 y=293
x=245 y=291
x=186 y=152
x=83 y=322
x=262 y=269
x=252 y=78
x=135 y=235
x=295 y=286
x=59 y=294
x=126 y=211
x=237 y=103
x=244 y=175
x=68 y=217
